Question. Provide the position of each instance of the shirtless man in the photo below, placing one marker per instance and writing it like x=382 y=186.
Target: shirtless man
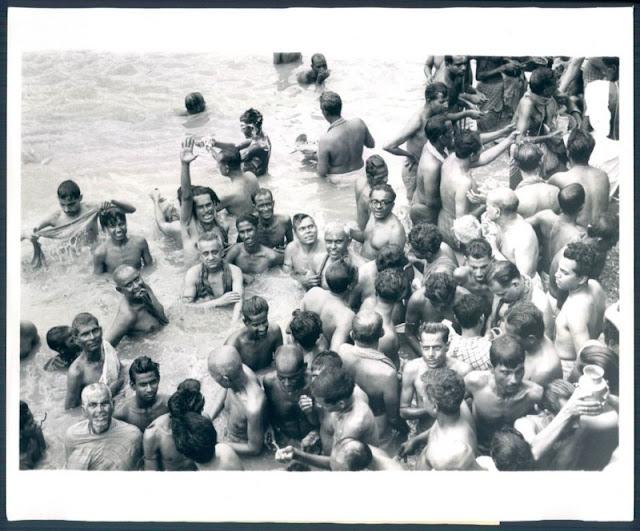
x=332 y=305
x=243 y=400
x=582 y=315
x=167 y=217
x=557 y=230
x=212 y=283
x=306 y=332
x=500 y=396
x=340 y=148
x=472 y=275
x=146 y=404
x=119 y=248
x=434 y=338
x=541 y=364
x=337 y=242
x=304 y=252
x=376 y=173
x=249 y=254
x=453 y=73
x=317 y=73
x=98 y=361
x=259 y=339
x=374 y=373
x=595 y=182
x=284 y=389
x=101 y=442
x=139 y=311
x=236 y=196
x=430 y=253
x=383 y=226
x=533 y=192
x=274 y=230
x=425 y=204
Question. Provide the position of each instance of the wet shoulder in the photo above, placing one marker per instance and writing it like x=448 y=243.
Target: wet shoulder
x=534 y=390
x=476 y=380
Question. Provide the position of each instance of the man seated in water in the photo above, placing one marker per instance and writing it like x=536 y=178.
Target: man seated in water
x=139 y=312
x=259 y=339
x=98 y=361
x=500 y=395
x=340 y=148
x=101 y=442
x=274 y=230
x=146 y=404
x=471 y=346
x=288 y=413
x=337 y=242
x=243 y=401
x=213 y=283
x=375 y=373
x=167 y=216
x=32 y=442
x=255 y=151
x=383 y=226
x=249 y=254
x=376 y=173
x=119 y=248
x=333 y=305
x=29 y=338
x=194 y=103
x=301 y=254
x=306 y=332
x=534 y=193
x=317 y=73
x=60 y=339
x=160 y=452
x=434 y=339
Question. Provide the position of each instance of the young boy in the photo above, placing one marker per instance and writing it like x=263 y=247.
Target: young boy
x=60 y=340
x=119 y=248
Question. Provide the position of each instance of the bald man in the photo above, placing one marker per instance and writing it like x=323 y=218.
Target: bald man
x=337 y=242
x=242 y=399
x=139 y=312
x=516 y=239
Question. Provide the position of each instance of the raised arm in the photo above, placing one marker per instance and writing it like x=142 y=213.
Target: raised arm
x=489 y=155
x=186 y=158
x=128 y=208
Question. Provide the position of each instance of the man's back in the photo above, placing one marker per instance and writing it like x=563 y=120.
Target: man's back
x=519 y=244
x=536 y=197
x=344 y=144
x=596 y=188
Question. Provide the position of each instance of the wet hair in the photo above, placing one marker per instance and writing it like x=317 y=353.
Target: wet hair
x=111 y=216
x=249 y=218
x=425 y=238
x=68 y=190
x=318 y=56
x=478 y=248
x=435 y=328
x=354 y=454
x=571 y=198
x=391 y=256
x=194 y=436
x=584 y=256
x=261 y=192
x=580 y=145
x=299 y=218
x=502 y=272
x=253 y=306
x=373 y=163
x=433 y=89
x=332 y=385
x=554 y=392
x=446 y=388
x=510 y=451
x=440 y=287
x=186 y=398
x=189 y=384
x=467 y=143
x=57 y=338
x=540 y=79
x=82 y=319
x=252 y=116
x=367 y=329
x=526 y=319
x=435 y=126
x=385 y=188
x=468 y=309
x=194 y=103
x=606 y=229
x=528 y=157
x=231 y=156
x=306 y=328
x=327 y=359
x=141 y=365
x=340 y=275
x=506 y=350
x=331 y=103
x=390 y=285
x=200 y=190
x=605 y=358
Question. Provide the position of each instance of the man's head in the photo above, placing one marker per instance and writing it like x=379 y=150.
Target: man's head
x=97 y=406
x=510 y=451
x=605 y=231
x=87 y=333
x=211 y=250
x=542 y=82
x=471 y=311
x=290 y=367
x=593 y=352
x=479 y=256
x=437 y=97
x=524 y=321
x=504 y=280
x=465 y=229
x=60 y=339
x=129 y=282
x=327 y=359
x=507 y=358
x=144 y=378
x=376 y=170
x=366 y=327
x=336 y=240
x=502 y=203
x=434 y=341
x=305 y=228
x=225 y=366
x=186 y=398
x=528 y=157
x=229 y=160
x=263 y=200
x=340 y=277
x=350 y=455
x=333 y=390
x=445 y=389
x=330 y=104
x=580 y=145
x=70 y=198
x=251 y=123
x=255 y=315
x=571 y=199
x=115 y=222
x=440 y=289
x=381 y=201
x=439 y=130
x=306 y=328
x=556 y=394
x=319 y=67
x=467 y=145
x=194 y=436
x=456 y=64
x=390 y=285
x=425 y=240
x=391 y=256
x=194 y=102
x=576 y=266
x=205 y=201
x=247 y=226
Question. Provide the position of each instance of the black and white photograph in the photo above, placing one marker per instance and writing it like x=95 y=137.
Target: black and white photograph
x=265 y=258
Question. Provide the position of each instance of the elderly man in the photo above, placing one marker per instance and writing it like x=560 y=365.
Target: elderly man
x=301 y=255
x=340 y=148
x=337 y=242
x=101 y=442
x=376 y=173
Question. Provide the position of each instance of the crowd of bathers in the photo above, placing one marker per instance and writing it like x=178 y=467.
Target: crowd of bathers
x=473 y=336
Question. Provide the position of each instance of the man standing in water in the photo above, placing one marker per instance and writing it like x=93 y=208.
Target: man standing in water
x=243 y=400
x=300 y=254
x=340 y=148
x=376 y=172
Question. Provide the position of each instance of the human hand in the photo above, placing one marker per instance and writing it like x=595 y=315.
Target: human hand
x=581 y=404
x=155 y=195
x=306 y=403
x=407 y=448
x=105 y=204
x=230 y=297
x=475 y=114
x=476 y=198
x=186 y=154
x=286 y=454
x=310 y=280
x=310 y=440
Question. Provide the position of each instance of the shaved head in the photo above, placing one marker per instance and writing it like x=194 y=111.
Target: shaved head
x=225 y=365
x=123 y=273
x=289 y=359
x=504 y=198
x=367 y=326
x=95 y=391
x=336 y=229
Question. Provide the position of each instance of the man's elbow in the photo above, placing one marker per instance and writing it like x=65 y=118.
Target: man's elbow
x=404 y=414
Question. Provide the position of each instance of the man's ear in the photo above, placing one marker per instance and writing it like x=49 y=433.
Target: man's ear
x=118 y=289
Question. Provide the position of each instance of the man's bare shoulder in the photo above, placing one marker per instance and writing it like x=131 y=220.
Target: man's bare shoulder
x=194 y=272
x=534 y=390
x=76 y=368
x=235 y=338
x=413 y=367
x=234 y=251
x=476 y=380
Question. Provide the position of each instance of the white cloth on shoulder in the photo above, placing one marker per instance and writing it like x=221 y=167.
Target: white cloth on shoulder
x=111 y=364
